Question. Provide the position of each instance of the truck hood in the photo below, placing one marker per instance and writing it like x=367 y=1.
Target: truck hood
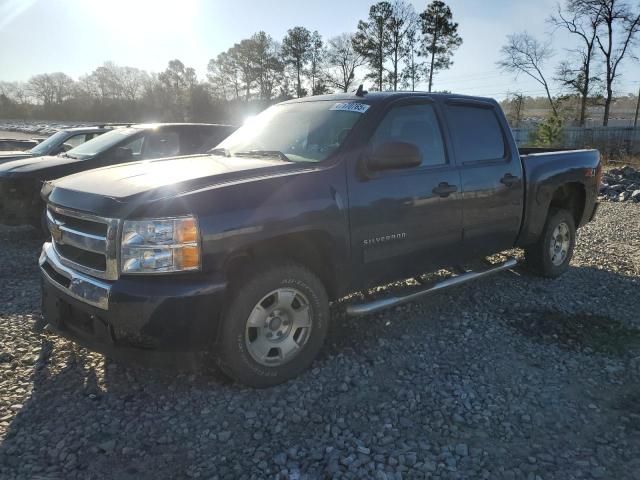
x=153 y=179
x=6 y=156
x=36 y=166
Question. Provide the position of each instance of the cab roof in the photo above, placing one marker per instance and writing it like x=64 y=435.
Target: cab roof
x=378 y=97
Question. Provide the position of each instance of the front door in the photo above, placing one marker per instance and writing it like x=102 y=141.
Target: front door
x=408 y=221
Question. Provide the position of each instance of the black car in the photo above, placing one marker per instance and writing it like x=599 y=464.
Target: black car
x=240 y=251
x=21 y=180
x=59 y=142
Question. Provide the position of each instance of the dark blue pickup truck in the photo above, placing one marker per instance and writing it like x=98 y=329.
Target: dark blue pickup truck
x=240 y=251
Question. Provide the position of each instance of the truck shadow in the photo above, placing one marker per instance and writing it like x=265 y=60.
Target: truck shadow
x=106 y=419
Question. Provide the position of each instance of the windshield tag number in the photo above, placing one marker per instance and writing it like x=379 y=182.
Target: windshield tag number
x=351 y=107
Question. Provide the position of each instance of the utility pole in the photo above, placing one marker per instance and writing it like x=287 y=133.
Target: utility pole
x=635 y=120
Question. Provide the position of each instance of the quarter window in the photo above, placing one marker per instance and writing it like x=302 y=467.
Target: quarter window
x=416 y=124
x=476 y=132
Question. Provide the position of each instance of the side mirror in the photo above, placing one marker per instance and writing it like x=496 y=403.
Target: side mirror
x=394 y=155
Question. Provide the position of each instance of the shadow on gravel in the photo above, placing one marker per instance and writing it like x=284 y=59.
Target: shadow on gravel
x=600 y=333
x=92 y=418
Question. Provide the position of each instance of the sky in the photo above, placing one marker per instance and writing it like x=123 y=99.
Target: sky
x=76 y=36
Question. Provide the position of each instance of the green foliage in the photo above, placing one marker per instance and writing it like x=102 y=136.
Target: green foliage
x=439 y=37
x=372 y=41
x=549 y=133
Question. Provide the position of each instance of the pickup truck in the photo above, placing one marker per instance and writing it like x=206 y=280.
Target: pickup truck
x=21 y=180
x=239 y=252
x=59 y=142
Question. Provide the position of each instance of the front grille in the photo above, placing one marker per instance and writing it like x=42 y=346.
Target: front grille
x=84 y=242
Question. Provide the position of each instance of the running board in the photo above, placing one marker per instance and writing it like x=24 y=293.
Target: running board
x=377 y=305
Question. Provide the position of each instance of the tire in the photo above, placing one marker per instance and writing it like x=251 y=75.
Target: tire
x=273 y=326
x=559 y=233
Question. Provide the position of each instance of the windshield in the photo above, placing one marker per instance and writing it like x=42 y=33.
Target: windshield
x=101 y=143
x=299 y=132
x=45 y=147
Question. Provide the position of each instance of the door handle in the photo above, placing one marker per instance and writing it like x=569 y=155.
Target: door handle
x=509 y=179
x=444 y=189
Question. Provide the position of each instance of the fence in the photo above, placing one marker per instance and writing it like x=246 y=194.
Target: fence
x=609 y=140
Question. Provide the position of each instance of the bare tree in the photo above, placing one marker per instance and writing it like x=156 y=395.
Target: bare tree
x=620 y=25
x=131 y=81
x=582 y=21
x=524 y=54
x=515 y=102
x=342 y=62
x=42 y=88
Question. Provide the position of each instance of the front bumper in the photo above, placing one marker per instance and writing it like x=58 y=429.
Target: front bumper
x=170 y=313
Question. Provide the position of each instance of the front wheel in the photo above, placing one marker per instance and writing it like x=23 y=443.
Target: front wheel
x=551 y=254
x=274 y=325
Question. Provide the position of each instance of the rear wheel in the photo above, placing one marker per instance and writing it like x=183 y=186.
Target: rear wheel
x=551 y=254
x=274 y=326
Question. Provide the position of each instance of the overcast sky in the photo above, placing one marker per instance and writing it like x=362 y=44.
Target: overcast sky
x=76 y=36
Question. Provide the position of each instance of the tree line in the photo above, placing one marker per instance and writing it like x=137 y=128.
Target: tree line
x=605 y=32
x=398 y=47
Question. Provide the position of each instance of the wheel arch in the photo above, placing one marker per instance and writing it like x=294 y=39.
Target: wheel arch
x=572 y=197
x=313 y=249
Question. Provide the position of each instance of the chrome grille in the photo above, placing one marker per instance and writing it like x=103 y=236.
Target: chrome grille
x=84 y=242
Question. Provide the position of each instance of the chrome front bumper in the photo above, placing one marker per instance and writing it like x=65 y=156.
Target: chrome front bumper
x=77 y=285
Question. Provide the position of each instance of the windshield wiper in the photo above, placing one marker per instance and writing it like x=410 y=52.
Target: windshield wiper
x=66 y=155
x=264 y=153
x=220 y=151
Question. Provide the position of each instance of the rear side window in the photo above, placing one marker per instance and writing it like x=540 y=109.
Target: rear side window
x=416 y=124
x=162 y=144
x=476 y=133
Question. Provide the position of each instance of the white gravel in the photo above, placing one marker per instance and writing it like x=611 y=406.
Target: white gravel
x=513 y=378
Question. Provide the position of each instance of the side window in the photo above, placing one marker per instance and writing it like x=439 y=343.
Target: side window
x=476 y=132
x=162 y=144
x=416 y=124
x=73 y=142
x=135 y=145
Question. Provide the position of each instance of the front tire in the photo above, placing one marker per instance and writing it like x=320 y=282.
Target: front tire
x=274 y=325
x=550 y=256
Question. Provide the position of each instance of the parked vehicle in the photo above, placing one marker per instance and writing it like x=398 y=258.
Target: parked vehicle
x=59 y=142
x=240 y=251
x=21 y=180
x=9 y=146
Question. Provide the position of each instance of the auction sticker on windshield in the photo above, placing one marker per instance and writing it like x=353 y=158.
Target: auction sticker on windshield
x=351 y=107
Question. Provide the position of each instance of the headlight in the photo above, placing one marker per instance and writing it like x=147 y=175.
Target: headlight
x=160 y=245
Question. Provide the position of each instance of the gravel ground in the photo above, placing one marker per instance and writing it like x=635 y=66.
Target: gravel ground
x=515 y=377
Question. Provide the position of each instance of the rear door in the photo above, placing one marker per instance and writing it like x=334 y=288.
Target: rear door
x=491 y=173
x=407 y=221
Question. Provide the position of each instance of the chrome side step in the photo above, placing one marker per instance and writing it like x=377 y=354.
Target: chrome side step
x=377 y=305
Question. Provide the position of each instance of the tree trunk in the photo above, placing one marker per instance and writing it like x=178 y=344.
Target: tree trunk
x=607 y=106
x=433 y=58
x=635 y=119
x=298 y=73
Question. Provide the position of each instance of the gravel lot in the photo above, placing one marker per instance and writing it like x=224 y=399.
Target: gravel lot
x=512 y=378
